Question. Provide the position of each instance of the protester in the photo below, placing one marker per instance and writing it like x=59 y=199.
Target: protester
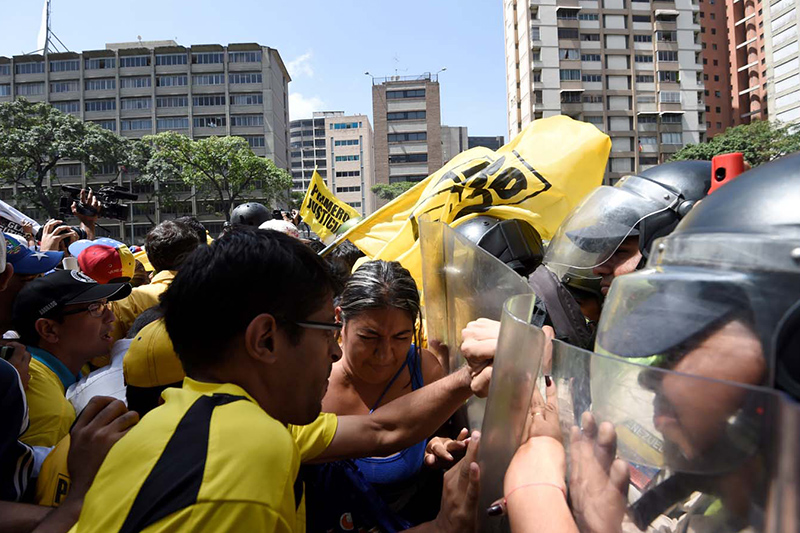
x=262 y=364
x=379 y=309
x=104 y=260
x=65 y=321
x=284 y=226
x=251 y=214
x=168 y=245
x=197 y=226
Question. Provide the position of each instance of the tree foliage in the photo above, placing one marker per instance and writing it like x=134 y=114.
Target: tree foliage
x=223 y=169
x=760 y=142
x=390 y=191
x=34 y=137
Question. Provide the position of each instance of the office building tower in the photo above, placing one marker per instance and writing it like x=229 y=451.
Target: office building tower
x=631 y=68
x=407 y=122
x=142 y=88
x=339 y=146
x=454 y=141
x=493 y=143
x=783 y=61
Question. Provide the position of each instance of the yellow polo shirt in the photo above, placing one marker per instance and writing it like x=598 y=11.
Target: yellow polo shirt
x=51 y=414
x=140 y=299
x=209 y=459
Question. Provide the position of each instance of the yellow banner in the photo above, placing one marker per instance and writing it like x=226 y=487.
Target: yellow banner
x=322 y=211
x=539 y=177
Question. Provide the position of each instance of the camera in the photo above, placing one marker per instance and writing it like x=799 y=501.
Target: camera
x=110 y=198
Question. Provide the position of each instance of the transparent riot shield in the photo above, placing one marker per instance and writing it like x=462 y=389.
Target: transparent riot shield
x=461 y=283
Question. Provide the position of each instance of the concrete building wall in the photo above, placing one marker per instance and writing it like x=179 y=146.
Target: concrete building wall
x=454 y=141
x=142 y=88
x=748 y=62
x=783 y=60
x=350 y=161
x=716 y=68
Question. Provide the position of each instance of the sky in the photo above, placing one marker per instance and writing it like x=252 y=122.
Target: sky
x=326 y=45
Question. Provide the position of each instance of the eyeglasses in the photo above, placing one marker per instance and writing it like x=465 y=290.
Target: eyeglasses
x=329 y=326
x=95 y=309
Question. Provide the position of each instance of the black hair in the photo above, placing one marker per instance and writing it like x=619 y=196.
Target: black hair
x=169 y=244
x=196 y=226
x=221 y=288
x=347 y=252
x=149 y=315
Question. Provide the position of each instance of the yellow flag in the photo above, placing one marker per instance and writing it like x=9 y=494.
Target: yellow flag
x=322 y=211
x=539 y=177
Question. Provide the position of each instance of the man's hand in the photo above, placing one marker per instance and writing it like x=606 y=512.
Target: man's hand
x=479 y=342
x=55 y=234
x=100 y=425
x=598 y=482
x=459 y=511
x=441 y=451
x=21 y=360
x=88 y=222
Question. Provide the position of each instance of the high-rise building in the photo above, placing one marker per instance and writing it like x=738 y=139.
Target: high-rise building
x=717 y=71
x=407 y=121
x=142 y=88
x=631 y=68
x=493 y=143
x=339 y=146
x=454 y=141
x=748 y=61
x=782 y=61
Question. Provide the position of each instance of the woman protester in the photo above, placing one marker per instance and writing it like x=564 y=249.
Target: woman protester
x=379 y=309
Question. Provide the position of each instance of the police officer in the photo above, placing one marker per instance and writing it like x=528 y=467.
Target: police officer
x=250 y=214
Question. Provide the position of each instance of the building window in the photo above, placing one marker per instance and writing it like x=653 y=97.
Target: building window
x=209 y=122
x=647 y=119
x=667 y=56
x=643 y=58
x=68 y=107
x=588 y=16
x=671 y=138
x=408 y=93
x=134 y=61
x=101 y=84
x=590 y=78
x=353 y=188
x=716 y=77
x=110 y=125
x=642 y=38
x=244 y=57
x=568 y=33
x=590 y=57
x=204 y=59
x=667 y=36
x=64 y=86
x=348 y=173
x=172 y=123
x=345 y=125
x=5 y=89
x=645 y=78
x=718 y=94
x=136 y=103
x=210 y=100
x=570 y=97
x=669 y=97
x=671 y=118
x=5 y=70
x=535 y=35
x=135 y=82
x=100 y=63
x=592 y=98
x=29 y=89
x=247 y=99
x=136 y=124
x=640 y=18
x=346 y=142
x=589 y=36
x=713 y=46
x=403 y=137
x=172 y=101
x=406 y=115
x=668 y=76
x=567 y=14
x=348 y=158
x=178 y=80
x=100 y=105
x=208 y=79
x=65 y=65
x=411 y=178
x=354 y=204
x=171 y=59
x=247 y=120
x=648 y=140
x=255 y=141
x=245 y=77
x=29 y=68
x=570 y=74
x=67 y=171
x=408 y=158
x=568 y=53
x=645 y=99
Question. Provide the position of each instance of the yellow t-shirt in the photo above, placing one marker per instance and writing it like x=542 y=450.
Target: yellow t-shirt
x=209 y=459
x=51 y=414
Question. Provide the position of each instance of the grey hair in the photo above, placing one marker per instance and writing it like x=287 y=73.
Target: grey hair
x=378 y=285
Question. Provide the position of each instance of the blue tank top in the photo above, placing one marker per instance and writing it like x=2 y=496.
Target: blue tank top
x=405 y=464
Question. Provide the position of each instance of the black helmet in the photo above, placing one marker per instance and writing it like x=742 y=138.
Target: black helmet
x=250 y=214
x=734 y=260
x=648 y=206
x=515 y=242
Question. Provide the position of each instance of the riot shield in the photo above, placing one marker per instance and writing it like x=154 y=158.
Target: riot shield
x=461 y=283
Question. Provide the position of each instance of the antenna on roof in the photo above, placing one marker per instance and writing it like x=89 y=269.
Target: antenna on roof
x=46 y=42
x=140 y=38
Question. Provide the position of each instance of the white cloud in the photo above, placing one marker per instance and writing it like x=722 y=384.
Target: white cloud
x=304 y=106
x=300 y=66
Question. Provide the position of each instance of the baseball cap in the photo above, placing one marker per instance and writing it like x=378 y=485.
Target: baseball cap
x=27 y=261
x=151 y=360
x=106 y=264
x=43 y=296
x=79 y=246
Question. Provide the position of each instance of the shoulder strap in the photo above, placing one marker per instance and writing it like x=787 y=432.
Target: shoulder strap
x=389 y=386
x=563 y=310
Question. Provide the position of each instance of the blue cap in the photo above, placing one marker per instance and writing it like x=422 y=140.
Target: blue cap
x=77 y=247
x=27 y=261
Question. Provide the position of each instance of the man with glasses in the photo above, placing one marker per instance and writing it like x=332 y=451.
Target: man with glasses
x=65 y=320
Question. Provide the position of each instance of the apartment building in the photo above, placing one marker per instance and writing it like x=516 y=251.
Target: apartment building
x=716 y=67
x=783 y=60
x=339 y=146
x=748 y=60
x=631 y=68
x=407 y=121
x=141 y=88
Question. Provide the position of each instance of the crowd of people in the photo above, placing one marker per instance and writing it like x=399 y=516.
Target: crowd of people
x=248 y=383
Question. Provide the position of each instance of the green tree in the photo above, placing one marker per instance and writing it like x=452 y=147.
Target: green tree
x=390 y=191
x=223 y=170
x=34 y=137
x=760 y=142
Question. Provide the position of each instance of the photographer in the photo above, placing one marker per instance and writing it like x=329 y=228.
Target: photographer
x=57 y=236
